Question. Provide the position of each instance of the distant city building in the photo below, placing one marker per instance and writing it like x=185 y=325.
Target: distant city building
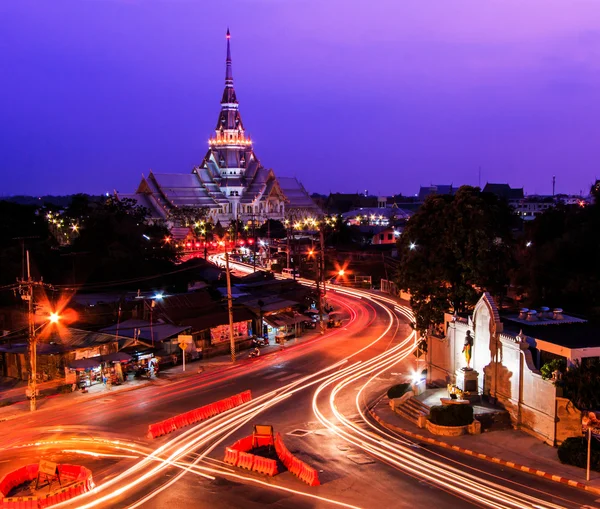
x=528 y=207
x=230 y=181
x=426 y=191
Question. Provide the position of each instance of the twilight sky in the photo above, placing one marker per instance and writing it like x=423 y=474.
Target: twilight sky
x=383 y=95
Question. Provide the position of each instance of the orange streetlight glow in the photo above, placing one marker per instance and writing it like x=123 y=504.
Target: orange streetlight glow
x=54 y=317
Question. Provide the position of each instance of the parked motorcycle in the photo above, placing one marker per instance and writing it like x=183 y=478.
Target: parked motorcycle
x=260 y=342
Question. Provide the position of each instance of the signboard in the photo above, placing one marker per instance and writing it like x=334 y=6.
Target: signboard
x=47 y=467
x=183 y=346
x=591 y=423
x=263 y=430
x=184 y=338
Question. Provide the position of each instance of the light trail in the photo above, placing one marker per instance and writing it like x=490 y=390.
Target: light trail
x=400 y=455
x=200 y=440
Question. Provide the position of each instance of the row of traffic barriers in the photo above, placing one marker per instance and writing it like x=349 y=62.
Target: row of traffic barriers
x=238 y=456
x=300 y=469
x=80 y=477
x=197 y=415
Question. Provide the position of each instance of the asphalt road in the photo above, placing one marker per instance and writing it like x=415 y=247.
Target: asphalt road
x=297 y=400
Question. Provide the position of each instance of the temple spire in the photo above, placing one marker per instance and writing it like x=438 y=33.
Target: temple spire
x=228 y=73
x=229 y=92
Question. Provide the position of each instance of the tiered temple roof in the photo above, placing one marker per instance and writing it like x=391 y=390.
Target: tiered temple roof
x=230 y=181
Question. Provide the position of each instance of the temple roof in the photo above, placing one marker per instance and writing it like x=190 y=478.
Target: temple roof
x=297 y=196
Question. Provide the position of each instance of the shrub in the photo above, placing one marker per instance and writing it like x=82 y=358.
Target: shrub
x=573 y=451
x=550 y=367
x=397 y=391
x=451 y=415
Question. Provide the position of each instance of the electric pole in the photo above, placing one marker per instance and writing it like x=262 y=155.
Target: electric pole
x=322 y=267
x=229 y=305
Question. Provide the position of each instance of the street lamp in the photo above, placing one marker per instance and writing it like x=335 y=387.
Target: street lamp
x=412 y=246
x=341 y=272
x=54 y=317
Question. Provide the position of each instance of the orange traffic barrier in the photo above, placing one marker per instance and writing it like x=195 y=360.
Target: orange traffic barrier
x=198 y=414
x=245 y=460
x=265 y=466
x=231 y=456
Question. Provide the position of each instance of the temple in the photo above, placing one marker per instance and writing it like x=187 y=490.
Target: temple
x=230 y=181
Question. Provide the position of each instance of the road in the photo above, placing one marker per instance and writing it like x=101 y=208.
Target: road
x=318 y=391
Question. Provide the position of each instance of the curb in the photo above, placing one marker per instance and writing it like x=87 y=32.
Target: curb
x=485 y=457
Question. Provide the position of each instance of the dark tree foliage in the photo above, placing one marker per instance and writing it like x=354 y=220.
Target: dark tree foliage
x=188 y=216
x=453 y=248
x=561 y=265
x=275 y=229
x=22 y=226
x=118 y=243
x=581 y=384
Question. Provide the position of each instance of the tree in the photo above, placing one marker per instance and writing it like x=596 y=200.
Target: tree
x=274 y=228
x=452 y=249
x=558 y=259
x=581 y=384
x=188 y=216
x=119 y=243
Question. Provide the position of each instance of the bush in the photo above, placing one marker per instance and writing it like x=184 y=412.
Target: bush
x=550 y=367
x=573 y=451
x=451 y=415
x=397 y=391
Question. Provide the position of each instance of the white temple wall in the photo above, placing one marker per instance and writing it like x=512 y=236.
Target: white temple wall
x=505 y=367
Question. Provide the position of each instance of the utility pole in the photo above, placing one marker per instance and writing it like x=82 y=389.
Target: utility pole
x=27 y=294
x=553 y=184
x=322 y=269
x=32 y=342
x=254 y=242
x=229 y=305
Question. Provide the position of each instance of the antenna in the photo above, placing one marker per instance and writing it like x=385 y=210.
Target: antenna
x=479 y=178
x=553 y=184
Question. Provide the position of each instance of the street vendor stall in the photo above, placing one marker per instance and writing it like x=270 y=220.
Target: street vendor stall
x=88 y=371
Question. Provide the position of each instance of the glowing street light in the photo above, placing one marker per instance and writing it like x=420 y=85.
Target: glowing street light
x=54 y=317
x=412 y=246
x=341 y=272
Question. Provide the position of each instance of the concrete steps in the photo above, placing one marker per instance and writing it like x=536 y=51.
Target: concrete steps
x=412 y=410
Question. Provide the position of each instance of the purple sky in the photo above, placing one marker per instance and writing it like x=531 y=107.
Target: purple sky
x=384 y=95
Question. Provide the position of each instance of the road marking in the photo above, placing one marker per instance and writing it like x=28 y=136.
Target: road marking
x=273 y=375
x=299 y=432
x=293 y=375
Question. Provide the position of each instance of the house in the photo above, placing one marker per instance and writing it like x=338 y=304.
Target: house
x=388 y=235
x=158 y=334
x=56 y=348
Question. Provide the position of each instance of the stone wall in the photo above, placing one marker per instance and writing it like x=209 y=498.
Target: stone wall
x=505 y=367
x=568 y=420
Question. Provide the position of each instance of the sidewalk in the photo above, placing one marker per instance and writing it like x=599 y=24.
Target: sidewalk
x=57 y=400
x=511 y=448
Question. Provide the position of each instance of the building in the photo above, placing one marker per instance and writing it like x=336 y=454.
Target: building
x=230 y=182
x=55 y=351
x=426 y=191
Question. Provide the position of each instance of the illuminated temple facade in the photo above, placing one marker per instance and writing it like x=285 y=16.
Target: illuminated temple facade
x=230 y=181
